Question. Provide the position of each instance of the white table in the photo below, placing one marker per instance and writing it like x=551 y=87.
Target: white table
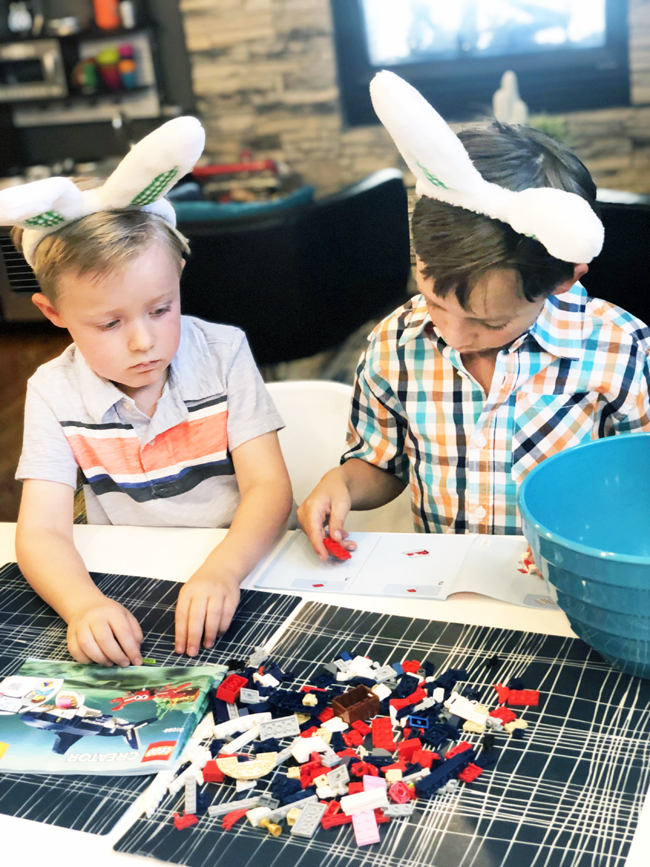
x=174 y=555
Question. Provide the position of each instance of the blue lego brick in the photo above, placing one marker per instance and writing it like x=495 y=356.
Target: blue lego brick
x=215 y=746
x=516 y=683
x=429 y=669
x=220 y=711
x=260 y=707
x=446 y=771
x=283 y=788
x=418 y=722
x=299 y=795
x=322 y=679
x=203 y=801
x=345 y=656
x=518 y=734
x=406 y=685
x=486 y=760
x=270 y=745
x=397 y=668
x=337 y=743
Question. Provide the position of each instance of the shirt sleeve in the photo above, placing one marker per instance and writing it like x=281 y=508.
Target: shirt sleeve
x=251 y=411
x=376 y=429
x=46 y=453
x=636 y=418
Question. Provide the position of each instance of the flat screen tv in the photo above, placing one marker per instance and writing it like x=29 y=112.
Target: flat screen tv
x=568 y=54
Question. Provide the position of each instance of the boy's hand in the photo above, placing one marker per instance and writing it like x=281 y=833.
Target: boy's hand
x=328 y=502
x=105 y=632
x=205 y=607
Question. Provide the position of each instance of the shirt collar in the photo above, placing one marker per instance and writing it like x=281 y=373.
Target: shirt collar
x=416 y=320
x=193 y=373
x=561 y=327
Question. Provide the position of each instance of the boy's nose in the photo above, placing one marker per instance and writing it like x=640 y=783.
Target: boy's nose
x=140 y=339
x=457 y=333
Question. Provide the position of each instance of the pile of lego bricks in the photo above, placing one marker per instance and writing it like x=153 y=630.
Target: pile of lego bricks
x=364 y=742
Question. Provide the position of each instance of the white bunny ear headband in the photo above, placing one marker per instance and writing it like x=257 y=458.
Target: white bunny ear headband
x=141 y=180
x=563 y=222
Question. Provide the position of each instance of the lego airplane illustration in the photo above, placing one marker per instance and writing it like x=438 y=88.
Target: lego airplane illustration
x=72 y=724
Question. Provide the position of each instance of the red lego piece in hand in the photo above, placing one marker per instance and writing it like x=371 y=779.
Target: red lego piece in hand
x=230 y=688
x=335 y=550
x=184 y=821
x=523 y=697
x=470 y=773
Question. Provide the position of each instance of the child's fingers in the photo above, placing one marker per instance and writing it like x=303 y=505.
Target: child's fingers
x=75 y=650
x=195 y=624
x=182 y=611
x=136 y=630
x=212 y=620
x=89 y=646
x=126 y=635
x=228 y=609
x=107 y=643
x=338 y=515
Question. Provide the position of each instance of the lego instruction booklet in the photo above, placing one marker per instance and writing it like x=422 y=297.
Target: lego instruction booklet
x=430 y=566
x=68 y=718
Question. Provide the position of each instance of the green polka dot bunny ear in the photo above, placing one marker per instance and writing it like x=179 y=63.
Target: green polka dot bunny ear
x=141 y=180
x=563 y=222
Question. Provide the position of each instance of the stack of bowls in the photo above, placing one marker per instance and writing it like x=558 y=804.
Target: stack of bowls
x=586 y=515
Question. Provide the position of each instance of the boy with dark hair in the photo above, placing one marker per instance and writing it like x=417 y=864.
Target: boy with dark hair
x=502 y=359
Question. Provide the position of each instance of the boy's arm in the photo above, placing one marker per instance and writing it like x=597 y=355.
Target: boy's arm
x=99 y=629
x=354 y=485
x=207 y=602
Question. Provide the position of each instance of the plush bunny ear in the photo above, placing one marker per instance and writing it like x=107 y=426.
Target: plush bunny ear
x=154 y=165
x=563 y=222
x=42 y=204
x=431 y=149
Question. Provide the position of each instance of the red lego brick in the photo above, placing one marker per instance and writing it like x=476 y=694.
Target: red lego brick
x=355 y=788
x=406 y=732
x=503 y=692
x=184 y=821
x=396 y=766
x=348 y=752
x=504 y=714
x=460 y=747
x=414 y=698
x=382 y=734
x=308 y=732
x=399 y=793
x=229 y=689
x=362 y=727
x=335 y=550
x=425 y=758
x=211 y=773
x=412 y=665
x=523 y=697
x=407 y=748
x=326 y=714
x=380 y=817
x=470 y=773
x=359 y=769
x=353 y=738
x=333 y=817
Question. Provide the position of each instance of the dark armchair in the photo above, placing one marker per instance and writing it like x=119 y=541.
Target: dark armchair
x=300 y=281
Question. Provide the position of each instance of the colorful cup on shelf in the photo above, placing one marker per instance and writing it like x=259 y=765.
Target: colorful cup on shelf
x=108 y=60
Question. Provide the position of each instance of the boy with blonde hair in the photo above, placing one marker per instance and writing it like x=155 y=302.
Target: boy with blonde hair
x=166 y=416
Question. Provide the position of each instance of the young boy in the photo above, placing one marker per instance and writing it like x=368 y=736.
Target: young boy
x=502 y=360
x=166 y=416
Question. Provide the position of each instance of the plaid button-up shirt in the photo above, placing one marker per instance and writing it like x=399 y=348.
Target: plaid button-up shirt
x=581 y=372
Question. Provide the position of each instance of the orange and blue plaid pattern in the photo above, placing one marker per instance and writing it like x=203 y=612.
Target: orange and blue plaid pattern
x=581 y=372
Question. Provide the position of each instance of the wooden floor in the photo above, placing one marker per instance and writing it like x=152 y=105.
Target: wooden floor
x=22 y=349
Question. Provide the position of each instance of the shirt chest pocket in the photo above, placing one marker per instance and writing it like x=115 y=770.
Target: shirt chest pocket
x=545 y=424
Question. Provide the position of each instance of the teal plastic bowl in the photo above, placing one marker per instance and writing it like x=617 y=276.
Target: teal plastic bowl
x=586 y=515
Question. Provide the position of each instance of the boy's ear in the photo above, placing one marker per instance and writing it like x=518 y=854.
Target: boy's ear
x=578 y=272
x=47 y=309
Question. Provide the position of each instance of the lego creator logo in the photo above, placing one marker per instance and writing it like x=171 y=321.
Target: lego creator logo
x=160 y=751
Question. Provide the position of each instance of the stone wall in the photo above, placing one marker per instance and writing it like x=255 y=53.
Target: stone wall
x=265 y=77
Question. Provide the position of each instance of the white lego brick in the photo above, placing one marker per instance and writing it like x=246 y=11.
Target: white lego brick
x=418 y=775
x=240 y=724
x=229 y=806
x=381 y=691
x=438 y=694
x=461 y=706
x=281 y=812
x=283 y=727
x=190 y=795
x=397 y=810
x=249 y=696
x=256 y=814
x=244 y=785
x=309 y=820
x=335 y=724
x=233 y=711
x=386 y=672
x=324 y=792
x=245 y=738
x=265 y=679
x=304 y=747
x=370 y=800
